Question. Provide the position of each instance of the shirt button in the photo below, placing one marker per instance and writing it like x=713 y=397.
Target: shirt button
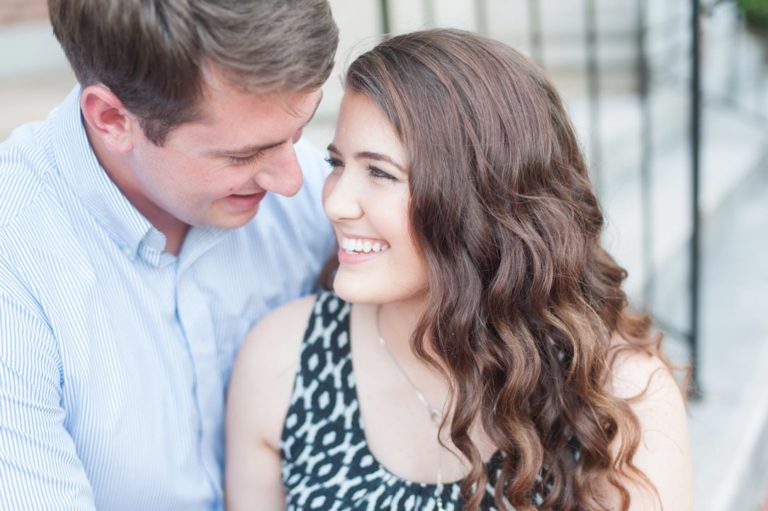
x=127 y=251
x=208 y=424
x=201 y=350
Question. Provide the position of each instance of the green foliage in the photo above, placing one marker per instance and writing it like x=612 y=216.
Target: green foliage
x=756 y=12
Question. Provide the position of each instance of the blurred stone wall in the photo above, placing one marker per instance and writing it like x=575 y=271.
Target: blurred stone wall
x=21 y=11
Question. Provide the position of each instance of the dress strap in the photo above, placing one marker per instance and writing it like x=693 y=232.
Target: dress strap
x=323 y=379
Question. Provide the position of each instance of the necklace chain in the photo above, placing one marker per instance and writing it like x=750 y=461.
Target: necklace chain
x=435 y=414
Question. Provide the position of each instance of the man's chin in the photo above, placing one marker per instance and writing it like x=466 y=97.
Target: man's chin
x=236 y=211
x=235 y=221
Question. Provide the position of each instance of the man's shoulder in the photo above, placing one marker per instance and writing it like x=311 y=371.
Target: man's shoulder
x=34 y=226
x=25 y=160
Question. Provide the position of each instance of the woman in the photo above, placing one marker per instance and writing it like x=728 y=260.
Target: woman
x=489 y=360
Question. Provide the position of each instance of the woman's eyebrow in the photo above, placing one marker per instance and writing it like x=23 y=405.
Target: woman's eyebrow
x=370 y=155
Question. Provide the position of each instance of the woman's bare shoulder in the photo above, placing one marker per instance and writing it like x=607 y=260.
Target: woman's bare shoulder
x=637 y=373
x=275 y=340
x=663 y=454
x=262 y=379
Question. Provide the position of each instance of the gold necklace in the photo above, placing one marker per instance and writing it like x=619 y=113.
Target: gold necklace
x=435 y=414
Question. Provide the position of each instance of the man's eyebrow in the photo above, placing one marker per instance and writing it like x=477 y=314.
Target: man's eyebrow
x=254 y=149
x=245 y=151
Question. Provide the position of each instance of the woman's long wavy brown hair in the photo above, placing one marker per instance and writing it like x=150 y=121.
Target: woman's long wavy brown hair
x=523 y=302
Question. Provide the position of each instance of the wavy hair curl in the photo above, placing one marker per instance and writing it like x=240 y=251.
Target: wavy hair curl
x=523 y=302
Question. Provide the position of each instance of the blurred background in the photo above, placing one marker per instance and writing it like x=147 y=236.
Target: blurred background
x=670 y=101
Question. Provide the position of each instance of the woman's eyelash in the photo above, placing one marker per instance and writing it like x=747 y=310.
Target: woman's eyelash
x=377 y=173
x=374 y=172
x=334 y=162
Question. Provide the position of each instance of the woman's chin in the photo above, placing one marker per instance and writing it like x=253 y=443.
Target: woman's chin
x=352 y=292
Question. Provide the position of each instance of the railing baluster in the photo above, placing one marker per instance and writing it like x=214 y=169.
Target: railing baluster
x=534 y=31
x=593 y=87
x=695 y=253
x=386 y=28
x=481 y=16
x=646 y=148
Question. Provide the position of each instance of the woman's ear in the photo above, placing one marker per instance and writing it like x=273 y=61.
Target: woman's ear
x=107 y=118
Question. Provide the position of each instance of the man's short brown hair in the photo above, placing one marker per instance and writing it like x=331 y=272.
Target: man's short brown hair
x=152 y=54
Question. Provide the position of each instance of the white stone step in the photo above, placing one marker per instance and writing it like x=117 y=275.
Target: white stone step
x=731 y=147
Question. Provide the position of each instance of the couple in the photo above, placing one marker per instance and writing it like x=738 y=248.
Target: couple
x=476 y=351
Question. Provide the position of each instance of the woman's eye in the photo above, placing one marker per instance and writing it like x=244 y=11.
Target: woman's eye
x=377 y=173
x=334 y=162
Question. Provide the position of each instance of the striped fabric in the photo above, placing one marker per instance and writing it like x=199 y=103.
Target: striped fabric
x=115 y=356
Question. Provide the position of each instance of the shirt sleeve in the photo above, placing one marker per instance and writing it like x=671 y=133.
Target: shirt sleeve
x=39 y=465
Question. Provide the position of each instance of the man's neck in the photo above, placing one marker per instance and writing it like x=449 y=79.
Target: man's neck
x=174 y=230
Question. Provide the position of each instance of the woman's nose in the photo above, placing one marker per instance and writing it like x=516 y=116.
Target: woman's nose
x=341 y=197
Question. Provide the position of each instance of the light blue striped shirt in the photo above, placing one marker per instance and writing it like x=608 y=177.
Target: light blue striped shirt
x=115 y=356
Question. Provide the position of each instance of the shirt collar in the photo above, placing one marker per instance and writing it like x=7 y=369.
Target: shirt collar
x=130 y=230
x=86 y=177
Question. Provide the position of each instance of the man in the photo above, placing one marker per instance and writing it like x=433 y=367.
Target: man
x=130 y=267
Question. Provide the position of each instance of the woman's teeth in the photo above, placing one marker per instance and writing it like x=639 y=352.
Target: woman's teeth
x=363 y=246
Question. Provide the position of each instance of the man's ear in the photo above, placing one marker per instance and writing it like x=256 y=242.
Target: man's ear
x=107 y=118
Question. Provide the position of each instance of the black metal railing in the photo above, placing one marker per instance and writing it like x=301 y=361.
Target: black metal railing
x=644 y=81
x=681 y=66
x=695 y=247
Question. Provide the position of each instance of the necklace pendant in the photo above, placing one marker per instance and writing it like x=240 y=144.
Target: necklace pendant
x=439 y=501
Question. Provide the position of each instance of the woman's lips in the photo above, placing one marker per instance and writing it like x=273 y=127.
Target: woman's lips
x=355 y=257
x=353 y=249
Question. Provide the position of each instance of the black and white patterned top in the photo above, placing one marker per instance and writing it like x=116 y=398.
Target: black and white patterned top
x=326 y=463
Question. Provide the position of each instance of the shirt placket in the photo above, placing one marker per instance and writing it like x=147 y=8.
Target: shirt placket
x=194 y=316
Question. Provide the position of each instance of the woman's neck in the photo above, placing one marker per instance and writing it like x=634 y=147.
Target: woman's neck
x=396 y=323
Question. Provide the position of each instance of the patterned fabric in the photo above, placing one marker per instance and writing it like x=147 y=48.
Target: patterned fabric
x=114 y=355
x=326 y=461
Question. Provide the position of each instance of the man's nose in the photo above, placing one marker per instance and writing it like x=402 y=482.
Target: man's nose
x=282 y=174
